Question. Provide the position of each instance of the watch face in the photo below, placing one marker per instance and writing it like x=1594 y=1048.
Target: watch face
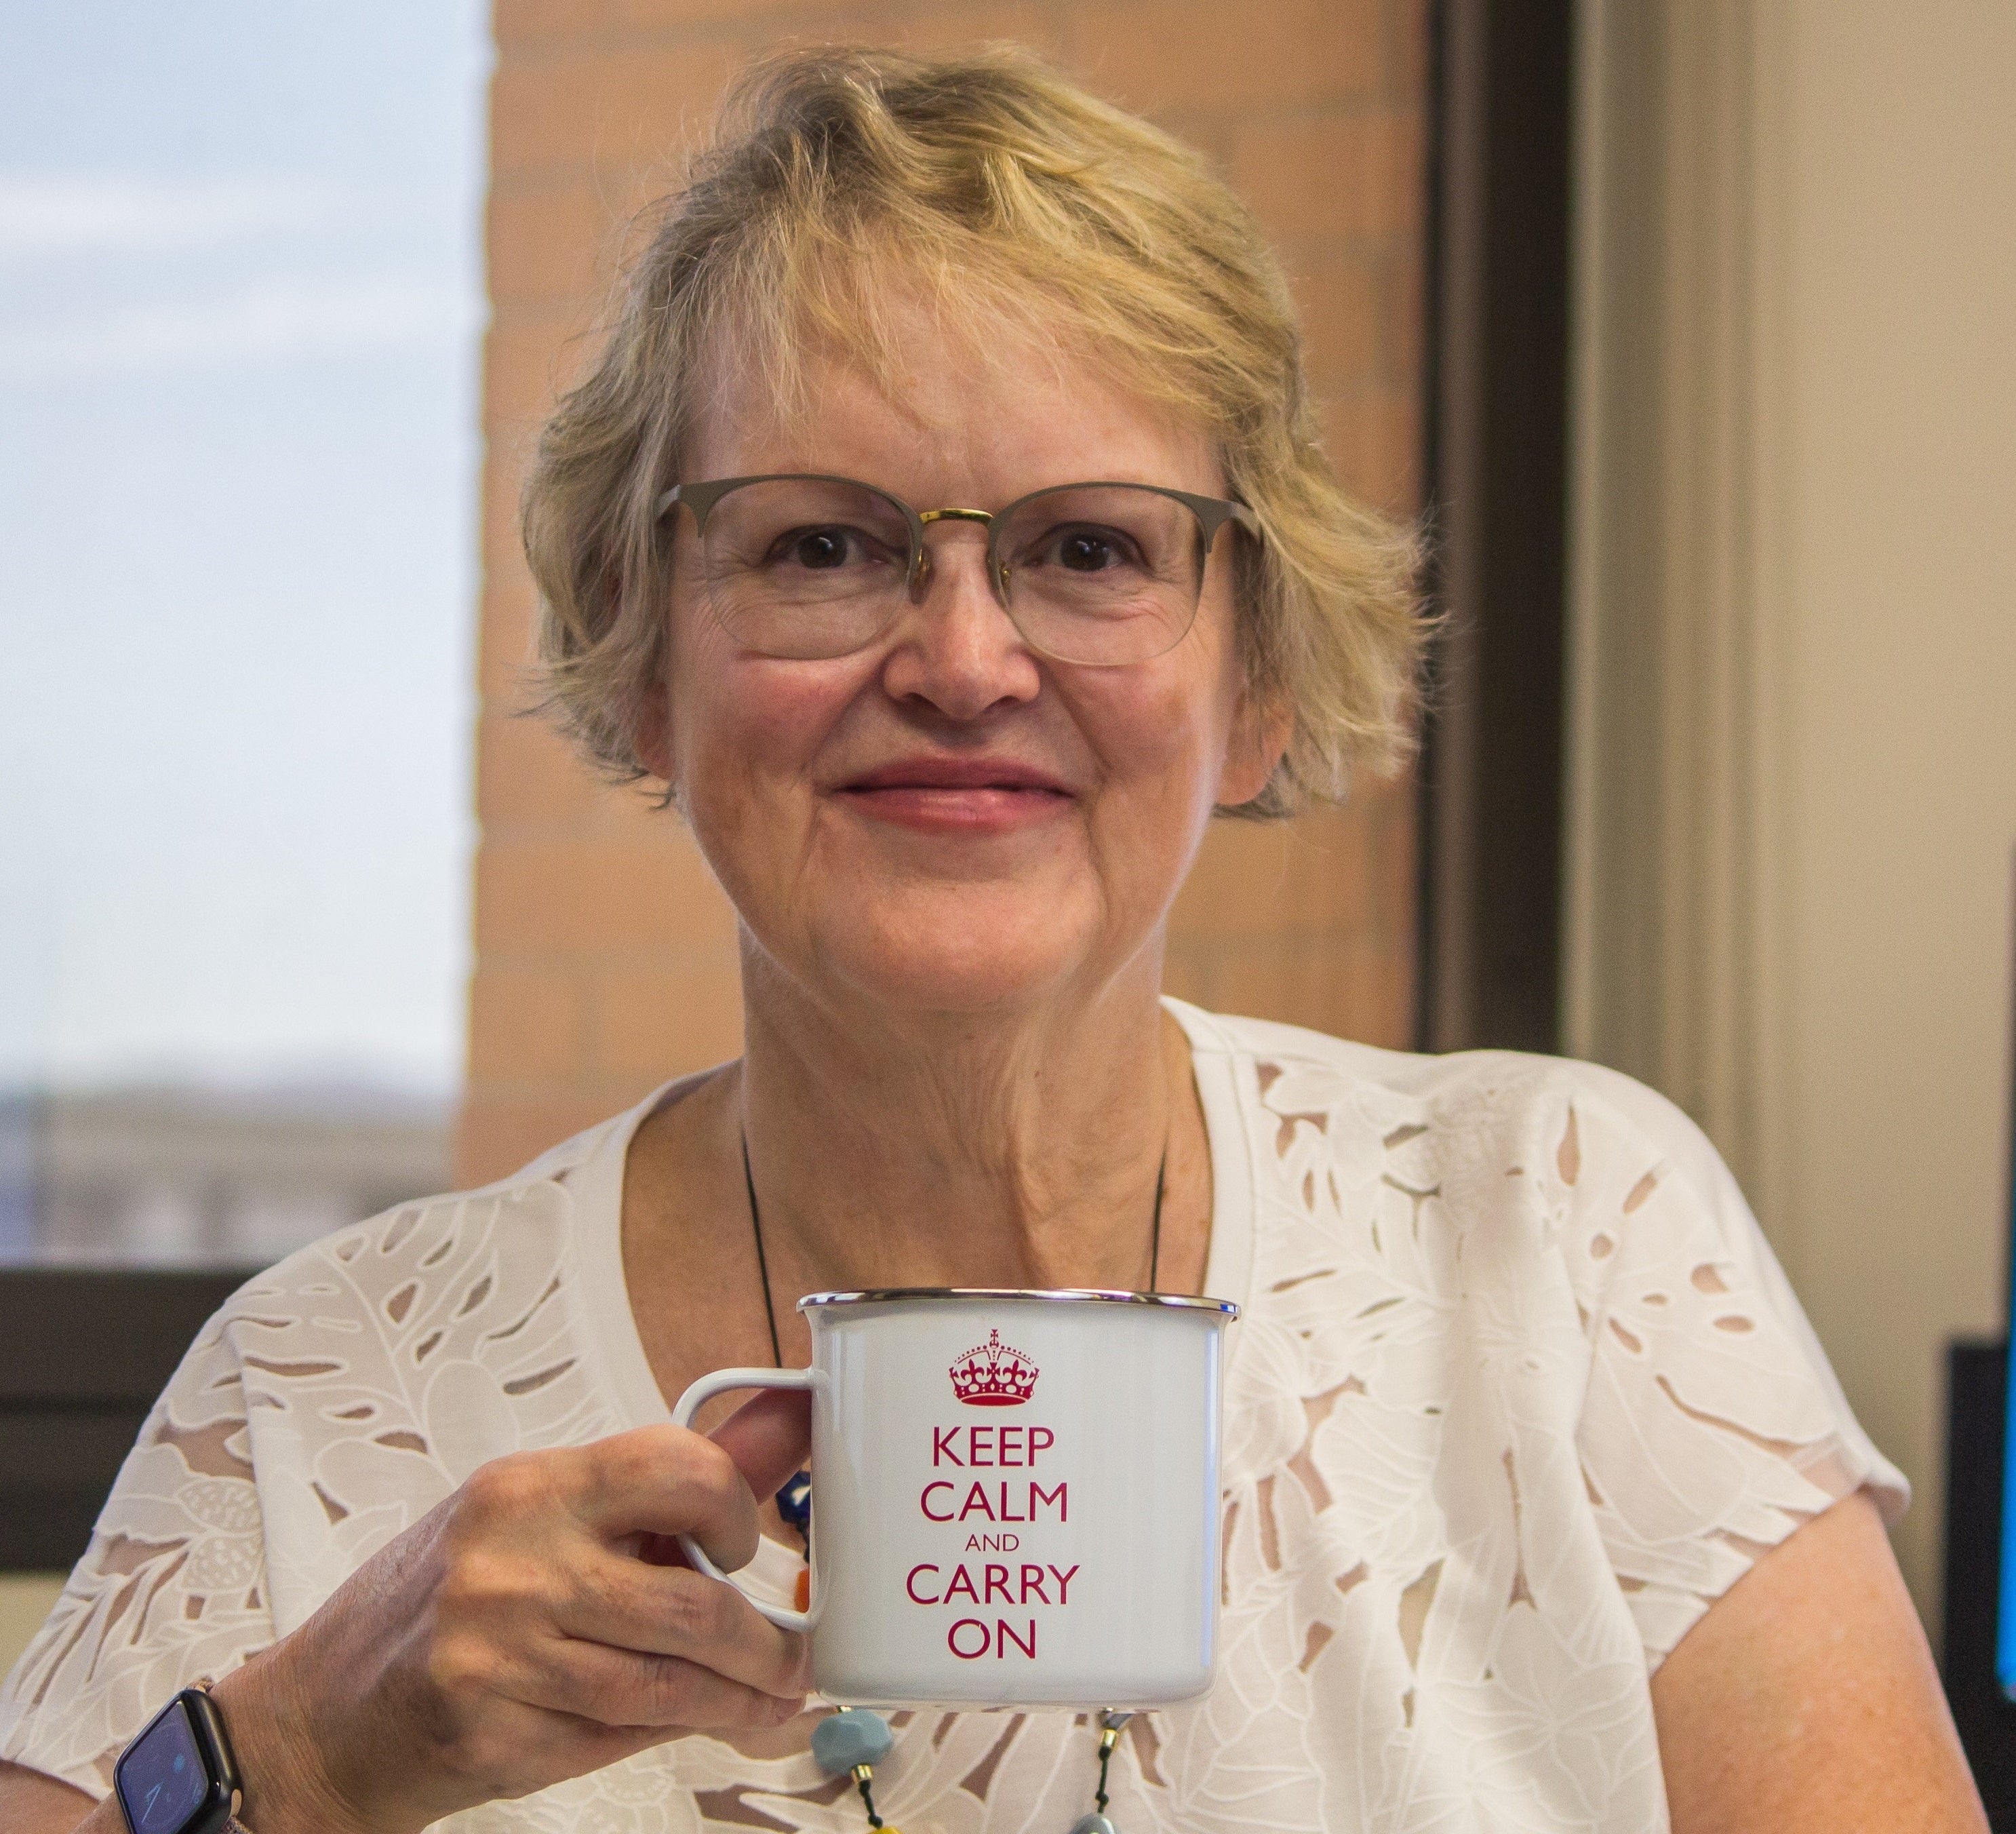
x=162 y=1780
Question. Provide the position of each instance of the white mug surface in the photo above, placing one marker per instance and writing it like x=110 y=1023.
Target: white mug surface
x=1015 y=1496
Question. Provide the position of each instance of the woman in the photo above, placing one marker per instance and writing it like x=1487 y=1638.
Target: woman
x=1543 y=1509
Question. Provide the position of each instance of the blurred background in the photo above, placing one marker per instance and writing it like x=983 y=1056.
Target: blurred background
x=1689 y=325
x=241 y=303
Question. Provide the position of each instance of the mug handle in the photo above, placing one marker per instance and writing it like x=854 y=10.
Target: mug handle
x=720 y=1382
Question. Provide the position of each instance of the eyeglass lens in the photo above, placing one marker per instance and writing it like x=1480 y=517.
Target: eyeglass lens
x=805 y=568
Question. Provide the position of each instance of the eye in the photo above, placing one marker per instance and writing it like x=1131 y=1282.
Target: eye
x=1087 y=547
x=820 y=547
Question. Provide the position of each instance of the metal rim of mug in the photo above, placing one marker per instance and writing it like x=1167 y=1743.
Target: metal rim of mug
x=1072 y=1294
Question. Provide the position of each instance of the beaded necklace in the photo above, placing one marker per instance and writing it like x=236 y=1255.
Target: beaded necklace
x=850 y=1742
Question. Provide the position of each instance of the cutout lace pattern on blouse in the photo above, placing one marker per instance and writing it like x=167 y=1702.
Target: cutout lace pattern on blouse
x=1518 y=1393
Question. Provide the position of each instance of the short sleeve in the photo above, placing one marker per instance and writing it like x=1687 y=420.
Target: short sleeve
x=172 y=1587
x=1712 y=1425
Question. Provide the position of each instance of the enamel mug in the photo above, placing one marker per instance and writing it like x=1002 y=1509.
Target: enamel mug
x=1015 y=1496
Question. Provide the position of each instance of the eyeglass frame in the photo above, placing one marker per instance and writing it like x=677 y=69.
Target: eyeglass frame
x=1213 y=514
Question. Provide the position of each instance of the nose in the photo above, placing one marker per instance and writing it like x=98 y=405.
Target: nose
x=955 y=647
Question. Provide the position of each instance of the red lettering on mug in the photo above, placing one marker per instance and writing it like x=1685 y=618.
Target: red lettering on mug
x=1064 y=1583
x=987 y=1445
x=996 y=1579
x=924 y=1501
x=910 y=1585
x=1008 y=1514
x=998 y=1639
x=975 y=1498
x=962 y=1584
x=1038 y=1495
x=967 y=1624
x=1004 y=1635
x=1032 y=1581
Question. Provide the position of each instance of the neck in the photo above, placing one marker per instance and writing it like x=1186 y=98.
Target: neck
x=905 y=1149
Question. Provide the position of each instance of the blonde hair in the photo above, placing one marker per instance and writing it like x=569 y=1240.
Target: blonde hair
x=1012 y=198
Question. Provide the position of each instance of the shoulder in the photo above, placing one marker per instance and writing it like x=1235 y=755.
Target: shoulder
x=377 y=1367
x=402 y=1253
x=1462 y=1095
x=469 y=1246
x=1505 y=1250
x=1551 y=1170
x=479 y=1276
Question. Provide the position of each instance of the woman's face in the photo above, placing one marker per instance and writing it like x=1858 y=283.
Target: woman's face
x=946 y=820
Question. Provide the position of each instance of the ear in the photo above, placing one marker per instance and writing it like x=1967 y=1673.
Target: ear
x=1261 y=727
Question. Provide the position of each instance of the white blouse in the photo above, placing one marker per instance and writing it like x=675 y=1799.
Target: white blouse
x=1518 y=1391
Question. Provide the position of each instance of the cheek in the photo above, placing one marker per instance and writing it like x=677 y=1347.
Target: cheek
x=1161 y=747
x=742 y=721
x=1164 y=728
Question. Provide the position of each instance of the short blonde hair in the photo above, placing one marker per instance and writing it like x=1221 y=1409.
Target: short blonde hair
x=1007 y=194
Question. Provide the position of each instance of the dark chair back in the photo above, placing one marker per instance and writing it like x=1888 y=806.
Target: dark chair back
x=83 y=1352
x=1977 y=1376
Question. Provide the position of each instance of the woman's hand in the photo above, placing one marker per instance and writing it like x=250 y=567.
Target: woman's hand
x=531 y=1628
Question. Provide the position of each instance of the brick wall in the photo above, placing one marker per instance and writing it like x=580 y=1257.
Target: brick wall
x=605 y=953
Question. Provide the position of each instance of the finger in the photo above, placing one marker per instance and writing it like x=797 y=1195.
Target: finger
x=620 y=1687
x=769 y=1437
x=628 y=1605
x=665 y=1480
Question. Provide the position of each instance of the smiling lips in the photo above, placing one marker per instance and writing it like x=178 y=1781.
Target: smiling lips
x=958 y=795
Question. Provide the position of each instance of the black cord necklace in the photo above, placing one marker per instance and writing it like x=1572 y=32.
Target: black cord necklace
x=851 y=1742
x=762 y=1260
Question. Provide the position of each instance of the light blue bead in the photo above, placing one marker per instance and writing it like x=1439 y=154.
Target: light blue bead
x=1093 y=1824
x=855 y=1737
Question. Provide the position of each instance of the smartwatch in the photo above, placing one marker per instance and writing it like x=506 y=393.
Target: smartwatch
x=178 y=1776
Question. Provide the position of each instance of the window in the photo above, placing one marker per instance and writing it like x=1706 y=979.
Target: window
x=240 y=330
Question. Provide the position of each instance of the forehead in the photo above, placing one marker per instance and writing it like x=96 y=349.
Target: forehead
x=972 y=409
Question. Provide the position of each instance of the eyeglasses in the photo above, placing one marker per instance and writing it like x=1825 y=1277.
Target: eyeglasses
x=804 y=567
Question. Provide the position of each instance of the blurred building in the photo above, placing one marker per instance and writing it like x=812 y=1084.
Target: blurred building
x=195 y=1177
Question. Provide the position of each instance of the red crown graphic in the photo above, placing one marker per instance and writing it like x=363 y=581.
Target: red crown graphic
x=994 y=1375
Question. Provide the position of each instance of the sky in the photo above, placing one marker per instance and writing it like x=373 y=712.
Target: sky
x=240 y=313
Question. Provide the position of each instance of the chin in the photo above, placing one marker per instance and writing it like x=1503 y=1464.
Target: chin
x=959 y=954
